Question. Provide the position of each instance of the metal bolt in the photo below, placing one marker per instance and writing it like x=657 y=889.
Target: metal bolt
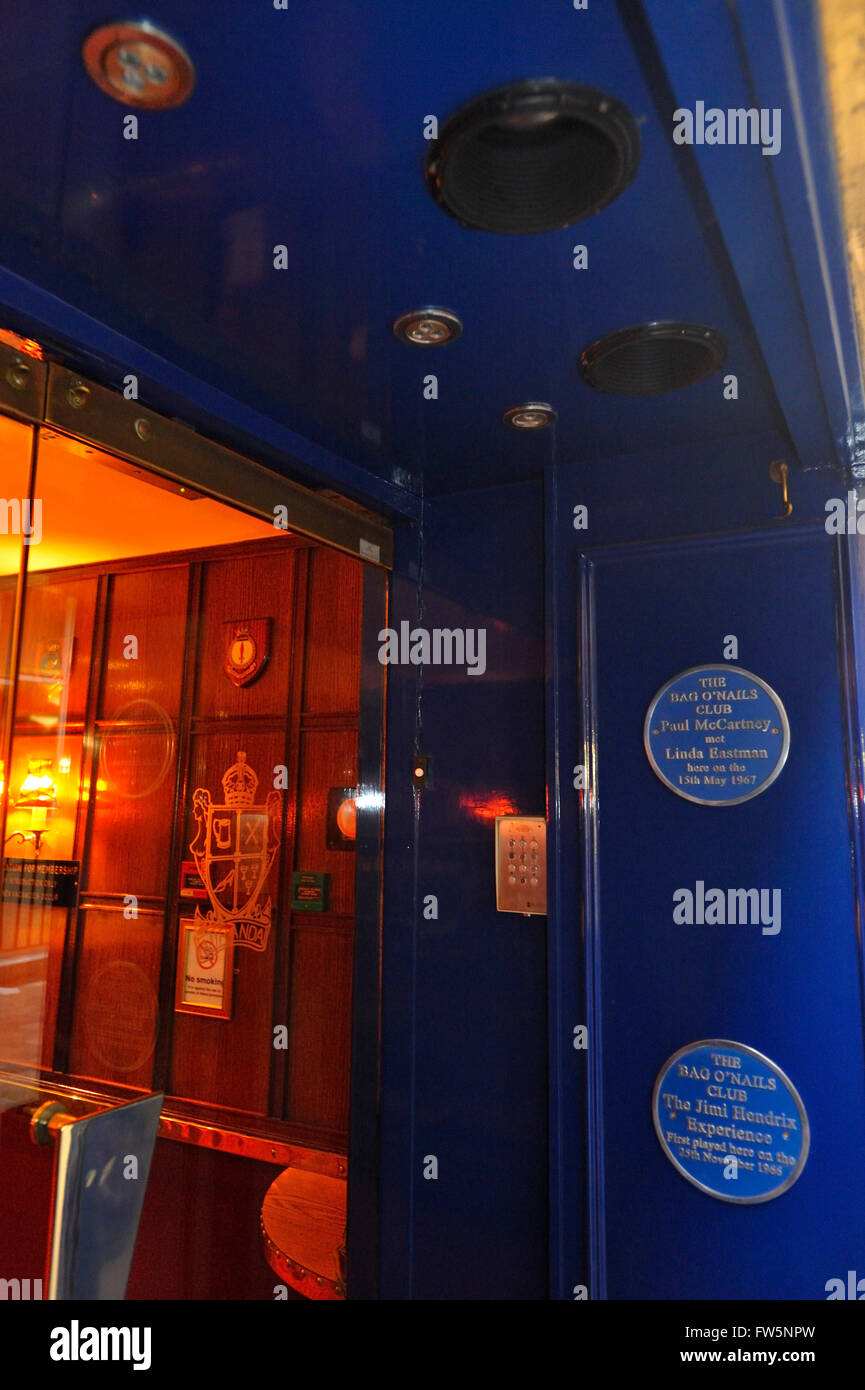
x=77 y=395
x=18 y=374
x=143 y=428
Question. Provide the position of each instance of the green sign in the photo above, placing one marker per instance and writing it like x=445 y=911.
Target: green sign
x=309 y=891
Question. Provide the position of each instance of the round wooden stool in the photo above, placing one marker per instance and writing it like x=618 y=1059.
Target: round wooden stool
x=303 y=1227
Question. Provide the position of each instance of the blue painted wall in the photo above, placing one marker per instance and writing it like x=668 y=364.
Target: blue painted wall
x=465 y=1018
x=464 y=1013
x=630 y=615
x=157 y=258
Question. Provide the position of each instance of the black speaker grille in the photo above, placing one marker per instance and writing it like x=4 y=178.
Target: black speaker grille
x=533 y=156
x=652 y=358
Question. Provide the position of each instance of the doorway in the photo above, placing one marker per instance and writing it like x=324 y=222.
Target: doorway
x=181 y=707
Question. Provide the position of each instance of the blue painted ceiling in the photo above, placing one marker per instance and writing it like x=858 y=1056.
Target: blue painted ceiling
x=306 y=129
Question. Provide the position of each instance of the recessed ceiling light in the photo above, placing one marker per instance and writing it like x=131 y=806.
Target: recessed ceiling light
x=428 y=327
x=651 y=358
x=533 y=156
x=138 y=65
x=533 y=415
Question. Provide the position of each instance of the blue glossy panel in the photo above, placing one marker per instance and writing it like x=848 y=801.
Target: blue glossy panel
x=794 y=996
x=154 y=256
x=363 y=1187
x=703 y=61
x=87 y=345
x=464 y=1024
x=713 y=486
x=305 y=129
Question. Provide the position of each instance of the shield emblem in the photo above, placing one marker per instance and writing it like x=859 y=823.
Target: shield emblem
x=233 y=849
x=247 y=649
x=54 y=659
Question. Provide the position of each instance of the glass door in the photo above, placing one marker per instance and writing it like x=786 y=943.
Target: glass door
x=181 y=713
x=25 y=1170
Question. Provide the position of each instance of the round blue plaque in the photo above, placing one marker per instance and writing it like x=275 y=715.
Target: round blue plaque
x=717 y=735
x=730 y=1121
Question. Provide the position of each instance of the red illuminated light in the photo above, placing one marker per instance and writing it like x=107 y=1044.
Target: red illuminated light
x=486 y=808
x=346 y=819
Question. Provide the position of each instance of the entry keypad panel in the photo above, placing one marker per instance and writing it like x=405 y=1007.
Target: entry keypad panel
x=521 y=864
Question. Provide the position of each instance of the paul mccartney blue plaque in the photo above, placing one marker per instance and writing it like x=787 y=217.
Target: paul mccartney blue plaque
x=717 y=735
x=730 y=1121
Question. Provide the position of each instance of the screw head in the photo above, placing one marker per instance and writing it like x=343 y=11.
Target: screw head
x=143 y=429
x=18 y=374
x=78 y=394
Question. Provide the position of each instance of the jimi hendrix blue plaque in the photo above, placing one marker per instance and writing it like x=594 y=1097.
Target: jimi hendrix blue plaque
x=717 y=735
x=730 y=1121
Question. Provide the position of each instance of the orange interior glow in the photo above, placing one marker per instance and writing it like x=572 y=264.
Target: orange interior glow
x=25 y=345
x=346 y=819
x=85 y=511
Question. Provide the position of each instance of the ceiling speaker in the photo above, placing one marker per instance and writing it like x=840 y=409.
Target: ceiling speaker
x=652 y=358
x=533 y=156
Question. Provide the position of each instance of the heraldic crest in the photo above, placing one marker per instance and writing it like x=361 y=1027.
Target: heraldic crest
x=233 y=850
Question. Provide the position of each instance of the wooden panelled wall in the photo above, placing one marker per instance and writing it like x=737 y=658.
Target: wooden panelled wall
x=144 y=732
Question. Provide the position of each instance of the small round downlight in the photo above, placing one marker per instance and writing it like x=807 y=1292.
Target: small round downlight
x=652 y=358
x=533 y=156
x=532 y=415
x=138 y=65
x=427 y=327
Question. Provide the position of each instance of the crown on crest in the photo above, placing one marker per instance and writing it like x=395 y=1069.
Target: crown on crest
x=239 y=783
